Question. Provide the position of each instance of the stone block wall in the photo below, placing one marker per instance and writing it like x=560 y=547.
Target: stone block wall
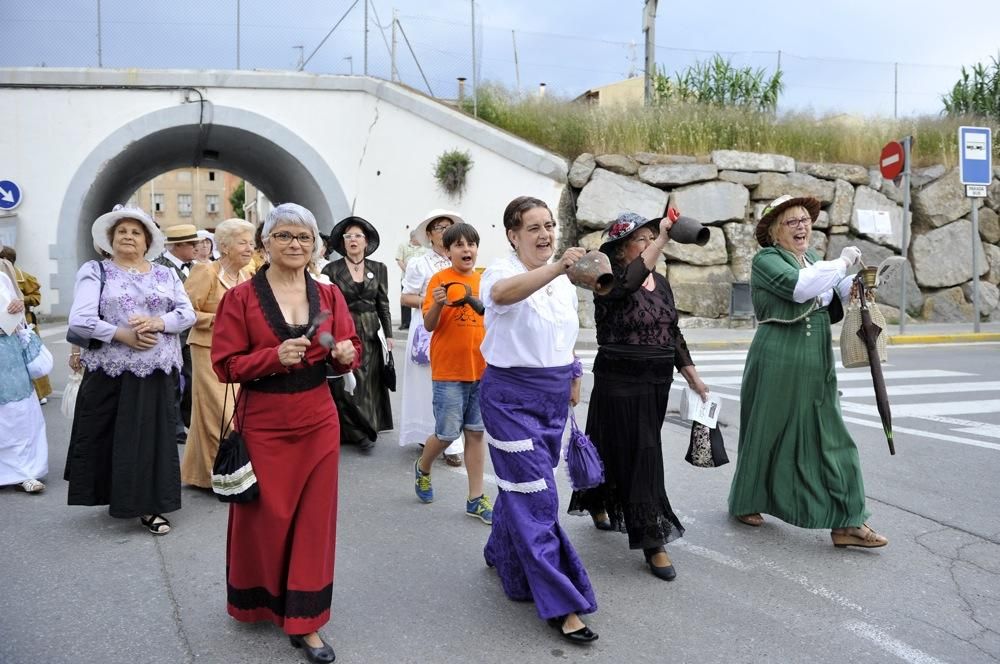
x=728 y=191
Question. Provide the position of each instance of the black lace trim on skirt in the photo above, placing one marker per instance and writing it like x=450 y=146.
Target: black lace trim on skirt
x=290 y=604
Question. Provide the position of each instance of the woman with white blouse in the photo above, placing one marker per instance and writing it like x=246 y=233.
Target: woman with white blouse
x=532 y=379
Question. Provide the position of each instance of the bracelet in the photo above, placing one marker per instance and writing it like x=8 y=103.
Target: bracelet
x=74 y=355
x=577 y=367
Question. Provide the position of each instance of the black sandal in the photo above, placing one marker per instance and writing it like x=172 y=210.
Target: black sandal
x=156 y=524
x=581 y=636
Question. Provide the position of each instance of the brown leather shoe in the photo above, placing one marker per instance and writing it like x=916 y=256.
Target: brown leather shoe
x=869 y=539
x=453 y=460
x=754 y=520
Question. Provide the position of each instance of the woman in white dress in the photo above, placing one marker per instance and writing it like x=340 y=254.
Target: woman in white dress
x=24 y=449
x=417 y=417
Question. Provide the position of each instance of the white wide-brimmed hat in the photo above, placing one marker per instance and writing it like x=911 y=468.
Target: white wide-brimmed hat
x=99 y=230
x=420 y=232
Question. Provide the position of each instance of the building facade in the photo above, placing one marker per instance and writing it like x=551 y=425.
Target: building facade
x=198 y=196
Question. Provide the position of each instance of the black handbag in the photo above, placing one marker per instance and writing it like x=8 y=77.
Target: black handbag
x=707 y=449
x=233 y=479
x=83 y=342
x=389 y=372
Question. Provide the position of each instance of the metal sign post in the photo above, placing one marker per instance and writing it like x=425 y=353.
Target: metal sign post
x=975 y=161
x=907 y=147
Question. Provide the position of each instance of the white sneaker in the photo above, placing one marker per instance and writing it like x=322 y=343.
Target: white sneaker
x=43 y=401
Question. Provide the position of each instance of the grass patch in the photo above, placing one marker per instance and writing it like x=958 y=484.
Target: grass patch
x=571 y=128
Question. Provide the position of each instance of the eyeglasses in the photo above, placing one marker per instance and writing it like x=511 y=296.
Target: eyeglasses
x=353 y=236
x=796 y=222
x=286 y=238
x=440 y=228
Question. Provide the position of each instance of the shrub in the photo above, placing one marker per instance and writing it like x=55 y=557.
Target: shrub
x=450 y=170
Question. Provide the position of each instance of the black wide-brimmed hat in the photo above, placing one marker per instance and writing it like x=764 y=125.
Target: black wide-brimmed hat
x=626 y=224
x=337 y=235
x=779 y=205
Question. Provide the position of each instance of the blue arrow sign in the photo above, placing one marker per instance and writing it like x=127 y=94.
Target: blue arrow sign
x=10 y=195
x=975 y=155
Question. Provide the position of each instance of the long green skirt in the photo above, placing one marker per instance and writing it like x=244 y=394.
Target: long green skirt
x=797 y=460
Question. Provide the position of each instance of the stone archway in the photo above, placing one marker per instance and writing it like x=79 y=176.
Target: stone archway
x=275 y=159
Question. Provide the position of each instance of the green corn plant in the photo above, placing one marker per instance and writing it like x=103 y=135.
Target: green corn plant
x=976 y=93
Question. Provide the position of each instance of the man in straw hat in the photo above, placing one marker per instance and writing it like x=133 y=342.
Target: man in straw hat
x=182 y=243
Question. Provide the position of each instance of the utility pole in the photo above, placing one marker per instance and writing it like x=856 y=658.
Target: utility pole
x=99 y=61
x=895 y=90
x=366 y=37
x=350 y=61
x=517 y=67
x=649 y=29
x=302 y=55
x=393 y=72
x=237 y=34
x=475 y=75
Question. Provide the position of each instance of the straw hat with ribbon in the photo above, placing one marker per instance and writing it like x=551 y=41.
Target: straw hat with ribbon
x=779 y=205
x=99 y=231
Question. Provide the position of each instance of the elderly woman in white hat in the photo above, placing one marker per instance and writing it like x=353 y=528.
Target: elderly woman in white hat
x=416 y=422
x=797 y=460
x=122 y=450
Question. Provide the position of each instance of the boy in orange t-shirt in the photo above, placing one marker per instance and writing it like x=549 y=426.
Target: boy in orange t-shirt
x=456 y=367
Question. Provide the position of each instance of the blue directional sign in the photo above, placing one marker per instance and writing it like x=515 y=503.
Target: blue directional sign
x=10 y=195
x=975 y=155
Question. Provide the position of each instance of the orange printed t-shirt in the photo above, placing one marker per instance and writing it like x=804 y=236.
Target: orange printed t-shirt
x=455 y=343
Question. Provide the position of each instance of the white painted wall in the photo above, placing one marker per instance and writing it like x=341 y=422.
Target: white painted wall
x=380 y=141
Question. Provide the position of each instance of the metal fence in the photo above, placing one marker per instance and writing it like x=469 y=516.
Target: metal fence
x=427 y=53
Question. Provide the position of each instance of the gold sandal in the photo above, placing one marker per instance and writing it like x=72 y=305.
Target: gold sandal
x=870 y=539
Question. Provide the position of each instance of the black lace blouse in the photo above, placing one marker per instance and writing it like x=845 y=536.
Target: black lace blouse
x=632 y=315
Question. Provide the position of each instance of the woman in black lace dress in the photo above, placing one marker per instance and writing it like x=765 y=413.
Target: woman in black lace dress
x=364 y=283
x=639 y=345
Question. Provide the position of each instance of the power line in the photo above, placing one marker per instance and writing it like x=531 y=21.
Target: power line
x=353 y=5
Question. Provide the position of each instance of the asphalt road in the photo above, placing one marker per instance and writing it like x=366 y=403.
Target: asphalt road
x=411 y=585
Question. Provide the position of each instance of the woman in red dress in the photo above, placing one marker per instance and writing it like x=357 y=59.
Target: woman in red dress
x=280 y=548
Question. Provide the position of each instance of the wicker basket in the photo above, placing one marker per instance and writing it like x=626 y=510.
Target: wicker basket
x=853 y=352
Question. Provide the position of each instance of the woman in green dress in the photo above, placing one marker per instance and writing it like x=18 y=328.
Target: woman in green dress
x=797 y=460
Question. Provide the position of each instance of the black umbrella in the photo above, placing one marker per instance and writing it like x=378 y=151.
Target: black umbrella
x=869 y=333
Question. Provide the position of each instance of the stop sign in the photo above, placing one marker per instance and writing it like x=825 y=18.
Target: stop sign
x=890 y=162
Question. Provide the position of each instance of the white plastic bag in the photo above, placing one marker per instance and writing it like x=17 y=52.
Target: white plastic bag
x=37 y=357
x=69 y=394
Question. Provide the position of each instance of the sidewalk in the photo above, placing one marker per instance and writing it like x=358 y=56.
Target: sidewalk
x=736 y=338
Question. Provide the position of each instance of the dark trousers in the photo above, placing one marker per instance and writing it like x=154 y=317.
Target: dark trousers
x=404 y=313
x=183 y=398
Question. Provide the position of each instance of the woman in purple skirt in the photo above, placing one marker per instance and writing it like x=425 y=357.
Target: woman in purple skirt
x=531 y=381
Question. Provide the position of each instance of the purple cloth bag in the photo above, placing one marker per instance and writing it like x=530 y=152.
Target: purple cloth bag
x=583 y=463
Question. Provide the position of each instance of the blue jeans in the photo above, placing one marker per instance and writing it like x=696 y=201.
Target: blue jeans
x=456 y=407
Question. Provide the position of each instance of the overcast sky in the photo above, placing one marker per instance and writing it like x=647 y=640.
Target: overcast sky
x=836 y=56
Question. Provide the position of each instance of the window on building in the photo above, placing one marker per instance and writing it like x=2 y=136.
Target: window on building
x=158 y=202
x=211 y=176
x=184 y=205
x=212 y=204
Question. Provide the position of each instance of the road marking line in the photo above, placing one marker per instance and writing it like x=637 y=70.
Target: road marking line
x=924 y=434
x=923 y=388
x=712 y=555
x=940 y=408
x=889 y=644
x=859 y=376
x=988 y=430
